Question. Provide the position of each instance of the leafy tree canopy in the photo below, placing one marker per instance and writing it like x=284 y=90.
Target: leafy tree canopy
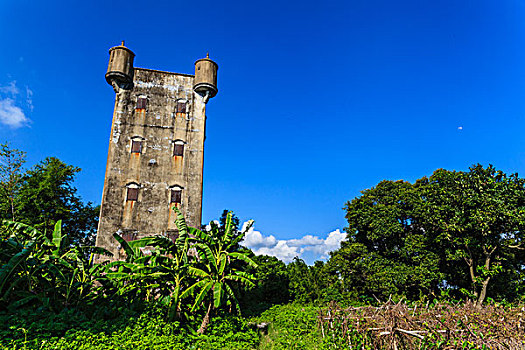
x=454 y=230
x=43 y=195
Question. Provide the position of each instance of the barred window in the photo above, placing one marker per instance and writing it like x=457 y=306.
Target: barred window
x=136 y=146
x=142 y=102
x=178 y=148
x=181 y=107
x=133 y=194
x=129 y=236
x=176 y=195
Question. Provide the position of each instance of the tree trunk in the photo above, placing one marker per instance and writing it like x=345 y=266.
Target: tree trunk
x=483 y=293
x=12 y=208
x=206 y=319
x=470 y=264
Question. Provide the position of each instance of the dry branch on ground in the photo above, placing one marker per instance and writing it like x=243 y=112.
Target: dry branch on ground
x=442 y=326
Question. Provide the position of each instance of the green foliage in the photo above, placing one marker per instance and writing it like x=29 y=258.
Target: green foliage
x=292 y=326
x=477 y=220
x=387 y=252
x=47 y=194
x=129 y=330
x=453 y=230
x=271 y=286
x=306 y=283
x=198 y=268
x=43 y=270
x=215 y=270
x=11 y=163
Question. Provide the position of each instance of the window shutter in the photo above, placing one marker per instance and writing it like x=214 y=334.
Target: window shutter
x=173 y=235
x=181 y=107
x=176 y=196
x=133 y=194
x=178 y=150
x=136 y=146
x=141 y=102
x=129 y=236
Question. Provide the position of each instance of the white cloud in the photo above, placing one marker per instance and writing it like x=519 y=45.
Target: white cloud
x=281 y=250
x=29 y=98
x=254 y=239
x=11 y=114
x=10 y=89
x=460 y=128
x=331 y=243
x=286 y=250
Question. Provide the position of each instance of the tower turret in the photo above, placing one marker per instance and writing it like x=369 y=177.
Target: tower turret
x=205 y=83
x=120 y=67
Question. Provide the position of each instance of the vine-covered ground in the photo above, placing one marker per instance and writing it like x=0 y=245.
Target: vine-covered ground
x=149 y=330
x=291 y=326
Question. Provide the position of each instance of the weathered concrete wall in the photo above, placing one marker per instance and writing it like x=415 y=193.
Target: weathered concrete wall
x=155 y=171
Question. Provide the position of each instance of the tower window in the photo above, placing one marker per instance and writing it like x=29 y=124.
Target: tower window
x=136 y=146
x=142 y=102
x=176 y=195
x=129 y=236
x=132 y=193
x=178 y=148
x=181 y=107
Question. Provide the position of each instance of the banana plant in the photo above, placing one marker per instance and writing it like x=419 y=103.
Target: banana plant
x=22 y=244
x=161 y=274
x=133 y=276
x=45 y=269
x=177 y=263
x=217 y=268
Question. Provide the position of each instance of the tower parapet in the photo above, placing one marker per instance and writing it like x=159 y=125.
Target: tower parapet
x=120 y=67
x=205 y=83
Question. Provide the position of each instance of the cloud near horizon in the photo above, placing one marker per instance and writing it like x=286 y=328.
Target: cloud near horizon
x=286 y=250
x=10 y=113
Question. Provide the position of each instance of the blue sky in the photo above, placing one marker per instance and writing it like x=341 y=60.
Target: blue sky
x=317 y=100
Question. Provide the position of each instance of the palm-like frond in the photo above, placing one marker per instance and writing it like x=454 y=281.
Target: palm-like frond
x=196 y=272
x=210 y=257
x=8 y=269
x=57 y=237
x=188 y=291
x=22 y=229
x=244 y=257
x=232 y=296
x=217 y=294
x=129 y=251
x=201 y=235
x=241 y=277
x=222 y=263
x=228 y=226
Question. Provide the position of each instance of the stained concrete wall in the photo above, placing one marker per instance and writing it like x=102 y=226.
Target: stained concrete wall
x=155 y=170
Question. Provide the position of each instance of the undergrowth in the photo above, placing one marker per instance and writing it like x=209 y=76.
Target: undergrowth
x=72 y=330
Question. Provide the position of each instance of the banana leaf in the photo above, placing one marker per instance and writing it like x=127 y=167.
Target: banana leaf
x=8 y=269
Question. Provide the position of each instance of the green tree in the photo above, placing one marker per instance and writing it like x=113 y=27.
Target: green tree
x=11 y=163
x=47 y=195
x=477 y=219
x=305 y=284
x=387 y=251
x=272 y=286
x=454 y=230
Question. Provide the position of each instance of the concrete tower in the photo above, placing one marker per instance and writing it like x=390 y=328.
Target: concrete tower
x=156 y=148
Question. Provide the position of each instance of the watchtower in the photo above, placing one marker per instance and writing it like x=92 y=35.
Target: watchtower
x=156 y=148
